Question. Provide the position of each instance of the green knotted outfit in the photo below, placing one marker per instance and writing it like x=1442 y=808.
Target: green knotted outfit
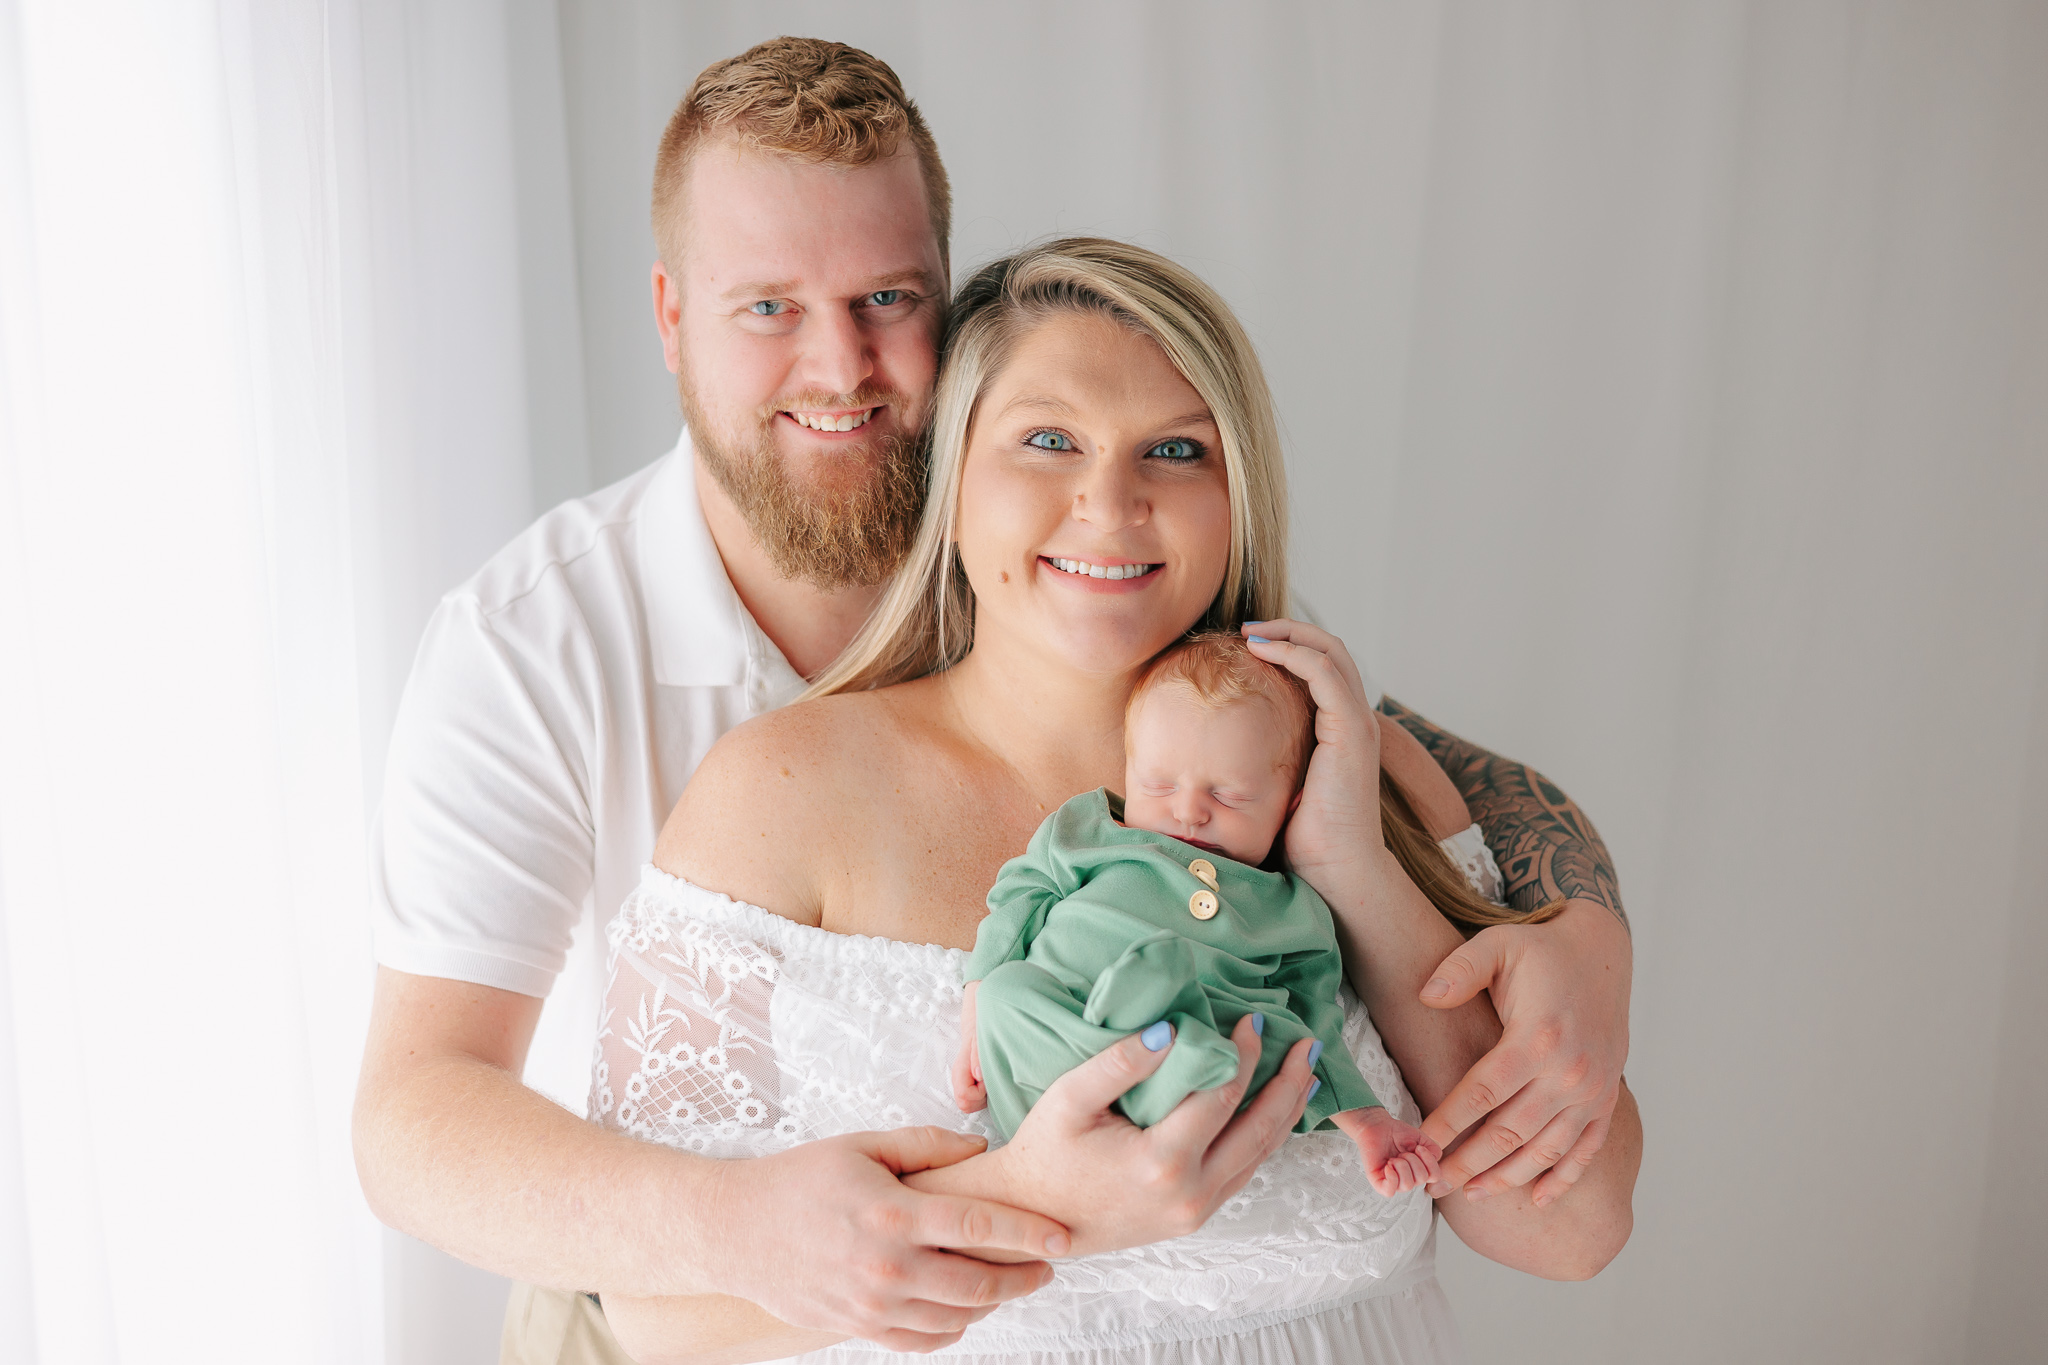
x=1090 y=938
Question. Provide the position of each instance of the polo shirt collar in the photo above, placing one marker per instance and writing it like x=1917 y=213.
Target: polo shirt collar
x=699 y=632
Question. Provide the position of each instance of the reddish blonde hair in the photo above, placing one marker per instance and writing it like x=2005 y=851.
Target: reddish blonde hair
x=814 y=100
x=1219 y=671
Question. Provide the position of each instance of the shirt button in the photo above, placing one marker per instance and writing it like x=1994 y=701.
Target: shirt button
x=1204 y=871
x=1202 y=905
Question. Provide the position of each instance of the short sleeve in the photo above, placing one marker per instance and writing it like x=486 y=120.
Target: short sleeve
x=485 y=848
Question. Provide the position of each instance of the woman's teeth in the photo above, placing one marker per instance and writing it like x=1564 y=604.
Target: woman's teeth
x=1086 y=570
x=825 y=421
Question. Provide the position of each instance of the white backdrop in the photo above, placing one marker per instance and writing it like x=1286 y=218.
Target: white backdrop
x=1667 y=397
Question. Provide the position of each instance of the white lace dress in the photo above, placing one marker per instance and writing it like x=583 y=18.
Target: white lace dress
x=733 y=1032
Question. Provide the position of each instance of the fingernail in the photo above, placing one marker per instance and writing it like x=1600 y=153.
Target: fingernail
x=1437 y=989
x=1313 y=1086
x=1157 y=1037
x=1258 y=639
x=1056 y=1244
x=1255 y=623
x=1475 y=1193
x=1259 y=1024
x=1315 y=1054
x=1436 y=1189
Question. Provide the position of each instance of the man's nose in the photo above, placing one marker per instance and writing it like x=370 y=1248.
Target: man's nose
x=836 y=357
x=1108 y=498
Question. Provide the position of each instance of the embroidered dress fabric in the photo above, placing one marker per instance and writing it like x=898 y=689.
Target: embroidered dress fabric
x=730 y=1031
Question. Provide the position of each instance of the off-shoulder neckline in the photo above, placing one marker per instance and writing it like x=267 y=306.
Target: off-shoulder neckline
x=790 y=936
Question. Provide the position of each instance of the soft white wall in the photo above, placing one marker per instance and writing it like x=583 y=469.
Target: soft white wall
x=1663 y=386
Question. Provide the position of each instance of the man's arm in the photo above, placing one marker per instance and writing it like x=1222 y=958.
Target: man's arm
x=454 y=1150
x=1546 y=846
x=1538 y=1106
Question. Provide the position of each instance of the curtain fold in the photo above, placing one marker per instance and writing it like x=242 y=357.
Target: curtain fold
x=248 y=440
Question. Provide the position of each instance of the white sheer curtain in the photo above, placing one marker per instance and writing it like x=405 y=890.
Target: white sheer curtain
x=1664 y=387
x=262 y=384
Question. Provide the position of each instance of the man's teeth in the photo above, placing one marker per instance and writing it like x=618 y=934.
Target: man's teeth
x=822 y=421
x=1087 y=570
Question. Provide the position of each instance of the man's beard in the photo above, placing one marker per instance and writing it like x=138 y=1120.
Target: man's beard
x=831 y=538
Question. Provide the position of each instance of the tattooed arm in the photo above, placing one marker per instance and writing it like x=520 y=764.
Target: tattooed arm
x=1543 y=1101
x=1546 y=847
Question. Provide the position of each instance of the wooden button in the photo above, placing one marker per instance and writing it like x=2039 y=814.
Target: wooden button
x=1202 y=905
x=1205 y=872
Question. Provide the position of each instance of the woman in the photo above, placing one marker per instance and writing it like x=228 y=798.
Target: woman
x=1099 y=407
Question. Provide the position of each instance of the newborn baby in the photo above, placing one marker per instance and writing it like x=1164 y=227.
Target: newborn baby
x=1155 y=911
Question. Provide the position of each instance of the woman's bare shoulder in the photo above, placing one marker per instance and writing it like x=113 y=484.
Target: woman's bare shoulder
x=772 y=804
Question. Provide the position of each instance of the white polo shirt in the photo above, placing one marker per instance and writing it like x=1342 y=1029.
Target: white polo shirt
x=559 y=703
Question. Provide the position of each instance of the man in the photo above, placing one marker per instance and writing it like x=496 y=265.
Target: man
x=562 y=698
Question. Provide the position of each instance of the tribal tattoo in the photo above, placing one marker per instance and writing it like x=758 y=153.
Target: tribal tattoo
x=1547 y=849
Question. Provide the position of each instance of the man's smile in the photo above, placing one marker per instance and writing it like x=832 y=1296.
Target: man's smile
x=849 y=419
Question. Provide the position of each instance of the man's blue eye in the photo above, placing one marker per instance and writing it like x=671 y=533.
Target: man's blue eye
x=1177 y=450
x=769 y=308
x=882 y=298
x=1050 y=440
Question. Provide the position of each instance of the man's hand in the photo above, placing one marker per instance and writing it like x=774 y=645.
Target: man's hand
x=825 y=1236
x=1547 y=1090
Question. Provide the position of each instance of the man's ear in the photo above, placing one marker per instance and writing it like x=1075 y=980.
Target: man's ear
x=668 y=315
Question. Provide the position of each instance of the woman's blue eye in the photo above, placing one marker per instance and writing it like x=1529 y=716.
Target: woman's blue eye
x=769 y=308
x=1050 y=440
x=882 y=298
x=1177 y=450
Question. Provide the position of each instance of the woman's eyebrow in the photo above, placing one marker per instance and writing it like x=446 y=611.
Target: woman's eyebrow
x=1038 y=402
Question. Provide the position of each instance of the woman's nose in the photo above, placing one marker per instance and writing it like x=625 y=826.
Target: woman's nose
x=1108 y=498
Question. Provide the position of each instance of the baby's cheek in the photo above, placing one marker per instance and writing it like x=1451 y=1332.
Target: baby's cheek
x=1141 y=813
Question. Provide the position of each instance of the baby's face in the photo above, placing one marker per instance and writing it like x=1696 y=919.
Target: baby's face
x=1216 y=778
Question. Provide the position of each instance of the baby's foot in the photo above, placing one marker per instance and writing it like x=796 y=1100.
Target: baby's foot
x=1398 y=1158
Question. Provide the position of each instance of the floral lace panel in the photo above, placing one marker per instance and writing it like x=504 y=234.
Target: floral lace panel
x=731 y=1032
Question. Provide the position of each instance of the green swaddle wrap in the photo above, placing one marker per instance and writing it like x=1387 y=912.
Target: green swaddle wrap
x=1093 y=934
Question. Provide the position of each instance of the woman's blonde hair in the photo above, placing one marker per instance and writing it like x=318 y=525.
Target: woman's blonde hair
x=925 y=620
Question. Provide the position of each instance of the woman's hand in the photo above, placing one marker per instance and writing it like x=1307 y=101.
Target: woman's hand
x=1115 y=1185
x=1541 y=1101
x=1339 y=816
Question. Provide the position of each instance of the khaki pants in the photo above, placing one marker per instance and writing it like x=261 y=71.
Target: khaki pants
x=555 y=1327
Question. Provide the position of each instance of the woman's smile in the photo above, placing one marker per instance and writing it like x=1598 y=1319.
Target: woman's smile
x=1101 y=575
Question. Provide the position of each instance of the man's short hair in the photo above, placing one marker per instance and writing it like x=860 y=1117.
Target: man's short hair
x=818 y=101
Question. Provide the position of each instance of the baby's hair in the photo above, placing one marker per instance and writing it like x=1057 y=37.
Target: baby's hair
x=1217 y=669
